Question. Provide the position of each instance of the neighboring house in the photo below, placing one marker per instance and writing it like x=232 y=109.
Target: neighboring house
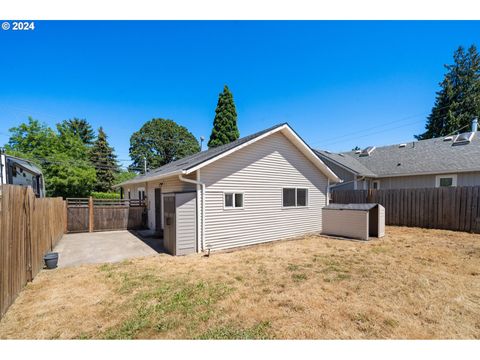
x=445 y=161
x=263 y=187
x=17 y=171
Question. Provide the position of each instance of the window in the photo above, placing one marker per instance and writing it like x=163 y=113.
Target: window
x=233 y=200
x=295 y=197
x=141 y=193
x=446 y=180
x=376 y=185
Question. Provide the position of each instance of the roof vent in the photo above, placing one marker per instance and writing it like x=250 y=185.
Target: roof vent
x=402 y=145
x=367 y=151
x=341 y=155
x=448 y=138
x=358 y=151
x=463 y=139
x=328 y=152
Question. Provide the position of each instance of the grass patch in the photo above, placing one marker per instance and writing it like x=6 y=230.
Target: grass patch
x=298 y=277
x=233 y=332
x=162 y=305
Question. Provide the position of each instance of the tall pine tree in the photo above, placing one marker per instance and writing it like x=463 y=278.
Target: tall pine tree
x=458 y=100
x=104 y=161
x=225 y=128
x=79 y=127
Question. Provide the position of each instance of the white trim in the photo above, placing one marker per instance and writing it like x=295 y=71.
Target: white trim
x=297 y=206
x=285 y=129
x=234 y=207
x=290 y=134
x=376 y=182
x=446 y=176
x=199 y=213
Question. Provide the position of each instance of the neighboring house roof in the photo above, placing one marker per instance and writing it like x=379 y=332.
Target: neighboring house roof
x=28 y=165
x=432 y=156
x=347 y=162
x=196 y=161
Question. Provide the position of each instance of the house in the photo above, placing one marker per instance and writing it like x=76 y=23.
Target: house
x=263 y=187
x=17 y=171
x=438 y=162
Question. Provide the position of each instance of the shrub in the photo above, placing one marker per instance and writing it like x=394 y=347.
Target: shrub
x=105 y=195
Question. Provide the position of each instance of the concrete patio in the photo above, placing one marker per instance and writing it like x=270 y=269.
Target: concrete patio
x=104 y=247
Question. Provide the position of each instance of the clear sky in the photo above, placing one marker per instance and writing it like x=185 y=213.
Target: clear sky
x=338 y=84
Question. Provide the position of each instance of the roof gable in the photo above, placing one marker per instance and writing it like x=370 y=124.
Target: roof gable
x=196 y=161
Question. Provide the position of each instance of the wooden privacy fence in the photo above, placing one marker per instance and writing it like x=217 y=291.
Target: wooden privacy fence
x=29 y=227
x=451 y=208
x=88 y=214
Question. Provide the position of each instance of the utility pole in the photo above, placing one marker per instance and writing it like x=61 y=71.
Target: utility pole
x=144 y=164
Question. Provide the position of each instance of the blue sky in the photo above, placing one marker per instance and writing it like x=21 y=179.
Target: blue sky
x=339 y=84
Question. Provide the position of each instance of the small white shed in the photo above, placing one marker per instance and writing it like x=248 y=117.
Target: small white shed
x=358 y=221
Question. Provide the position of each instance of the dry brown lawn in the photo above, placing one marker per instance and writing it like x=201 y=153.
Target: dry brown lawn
x=414 y=283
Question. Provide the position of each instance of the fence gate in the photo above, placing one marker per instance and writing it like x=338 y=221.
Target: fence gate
x=88 y=215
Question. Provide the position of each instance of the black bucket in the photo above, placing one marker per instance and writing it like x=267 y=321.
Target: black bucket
x=51 y=260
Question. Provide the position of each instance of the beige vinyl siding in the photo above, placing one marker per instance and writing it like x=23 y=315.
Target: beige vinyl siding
x=347 y=223
x=426 y=181
x=261 y=171
x=168 y=185
x=186 y=223
x=407 y=182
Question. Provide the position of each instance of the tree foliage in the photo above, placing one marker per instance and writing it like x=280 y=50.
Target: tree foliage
x=160 y=141
x=79 y=127
x=458 y=100
x=104 y=160
x=63 y=158
x=123 y=175
x=225 y=128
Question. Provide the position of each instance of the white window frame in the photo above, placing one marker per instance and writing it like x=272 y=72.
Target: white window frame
x=296 y=206
x=452 y=176
x=376 y=182
x=233 y=207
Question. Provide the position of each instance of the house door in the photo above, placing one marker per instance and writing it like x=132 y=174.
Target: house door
x=158 y=211
x=169 y=227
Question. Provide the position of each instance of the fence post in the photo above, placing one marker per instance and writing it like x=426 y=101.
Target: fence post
x=90 y=214
x=28 y=209
x=65 y=224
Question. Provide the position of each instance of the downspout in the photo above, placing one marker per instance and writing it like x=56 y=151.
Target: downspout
x=198 y=183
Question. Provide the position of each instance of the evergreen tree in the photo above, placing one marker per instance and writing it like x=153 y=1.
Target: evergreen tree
x=225 y=128
x=104 y=161
x=458 y=100
x=79 y=127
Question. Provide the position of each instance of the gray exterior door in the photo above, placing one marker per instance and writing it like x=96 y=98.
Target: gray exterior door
x=169 y=224
x=158 y=211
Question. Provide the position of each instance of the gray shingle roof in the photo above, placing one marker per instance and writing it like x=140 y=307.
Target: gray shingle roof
x=346 y=161
x=419 y=157
x=195 y=159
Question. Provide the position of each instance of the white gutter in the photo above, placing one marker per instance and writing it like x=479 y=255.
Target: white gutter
x=200 y=234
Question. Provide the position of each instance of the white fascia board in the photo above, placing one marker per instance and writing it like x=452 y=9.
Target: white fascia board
x=293 y=137
x=150 y=178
